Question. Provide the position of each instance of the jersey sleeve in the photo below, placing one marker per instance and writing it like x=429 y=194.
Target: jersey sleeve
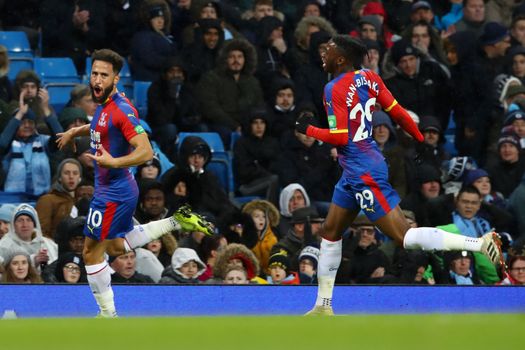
x=126 y=120
x=337 y=112
x=394 y=109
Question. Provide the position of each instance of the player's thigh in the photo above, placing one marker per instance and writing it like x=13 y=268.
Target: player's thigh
x=337 y=221
x=116 y=247
x=394 y=224
x=94 y=250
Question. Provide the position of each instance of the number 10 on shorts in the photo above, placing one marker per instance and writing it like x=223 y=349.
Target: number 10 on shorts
x=94 y=218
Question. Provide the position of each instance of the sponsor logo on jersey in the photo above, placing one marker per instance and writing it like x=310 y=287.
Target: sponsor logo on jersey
x=102 y=119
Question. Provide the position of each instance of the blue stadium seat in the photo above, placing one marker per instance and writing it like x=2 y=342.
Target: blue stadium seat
x=212 y=139
x=16 y=64
x=56 y=70
x=233 y=138
x=59 y=95
x=140 y=97
x=17 y=197
x=16 y=43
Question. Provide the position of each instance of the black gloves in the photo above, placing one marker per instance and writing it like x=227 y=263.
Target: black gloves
x=303 y=122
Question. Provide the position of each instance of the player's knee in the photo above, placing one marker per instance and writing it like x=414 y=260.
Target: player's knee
x=329 y=231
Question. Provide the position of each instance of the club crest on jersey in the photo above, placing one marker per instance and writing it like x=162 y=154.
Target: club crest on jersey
x=102 y=119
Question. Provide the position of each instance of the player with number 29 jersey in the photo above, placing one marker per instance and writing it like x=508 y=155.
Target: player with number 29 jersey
x=349 y=101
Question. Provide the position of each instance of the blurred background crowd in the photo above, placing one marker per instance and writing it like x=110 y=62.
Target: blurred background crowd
x=218 y=86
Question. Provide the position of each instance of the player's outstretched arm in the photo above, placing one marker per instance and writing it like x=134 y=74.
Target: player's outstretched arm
x=66 y=137
x=401 y=117
x=141 y=153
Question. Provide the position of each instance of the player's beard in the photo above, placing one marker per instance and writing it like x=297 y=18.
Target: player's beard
x=106 y=92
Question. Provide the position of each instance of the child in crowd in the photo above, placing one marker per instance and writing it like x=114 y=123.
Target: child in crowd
x=278 y=267
x=185 y=268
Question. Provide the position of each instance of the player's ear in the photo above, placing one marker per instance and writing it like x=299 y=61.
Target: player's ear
x=116 y=79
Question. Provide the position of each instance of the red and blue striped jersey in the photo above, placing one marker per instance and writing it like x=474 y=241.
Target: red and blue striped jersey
x=350 y=101
x=115 y=123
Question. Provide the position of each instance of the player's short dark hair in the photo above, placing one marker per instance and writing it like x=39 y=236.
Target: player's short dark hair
x=353 y=50
x=469 y=189
x=109 y=56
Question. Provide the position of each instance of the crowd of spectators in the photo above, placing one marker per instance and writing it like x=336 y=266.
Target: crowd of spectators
x=246 y=70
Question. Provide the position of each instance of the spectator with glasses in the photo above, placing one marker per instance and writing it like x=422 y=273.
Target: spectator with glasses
x=516 y=275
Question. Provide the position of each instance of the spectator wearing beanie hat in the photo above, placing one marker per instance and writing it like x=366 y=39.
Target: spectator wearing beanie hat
x=149 y=170
x=493 y=207
x=308 y=260
x=418 y=84
x=516 y=58
x=516 y=119
x=506 y=172
x=279 y=269
x=71 y=117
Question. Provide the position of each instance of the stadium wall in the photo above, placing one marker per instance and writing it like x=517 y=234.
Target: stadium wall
x=162 y=300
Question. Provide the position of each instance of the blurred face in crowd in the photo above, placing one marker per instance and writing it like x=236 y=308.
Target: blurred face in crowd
x=24 y=227
x=518 y=31
x=70 y=176
x=174 y=72
x=71 y=272
x=87 y=104
x=149 y=172
x=157 y=23
x=452 y=54
x=258 y=127
x=278 y=273
x=277 y=33
x=371 y=60
x=262 y=11
x=76 y=244
x=197 y=161
x=103 y=81
x=189 y=269
x=124 y=264
x=518 y=66
x=84 y=191
x=4 y=228
x=430 y=189
x=237 y=276
x=461 y=266
x=306 y=266
x=235 y=61
x=366 y=236
x=422 y=14
x=311 y=10
x=368 y=31
x=26 y=128
x=483 y=185
x=420 y=36
x=180 y=189
x=517 y=270
x=259 y=219
x=308 y=141
x=296 y=201
x=19 y=267
x=519 y=127
x=311 y=29
x=509 y=153
x=154 y=202
x=211 y=38
x=411 y=222
x=408 y=65
x=154 y=246
x=208 y=12
x=474 y=10
x=30 y=91
x=285 y=99
x=500 y=48
x=468 y=204
x=381 y=134
x=431 y=137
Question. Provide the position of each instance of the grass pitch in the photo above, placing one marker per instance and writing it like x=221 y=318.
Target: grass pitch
x=470 y=331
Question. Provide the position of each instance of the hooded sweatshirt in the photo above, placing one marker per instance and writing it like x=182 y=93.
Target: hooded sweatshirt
x=12 y=241
x=181 y=256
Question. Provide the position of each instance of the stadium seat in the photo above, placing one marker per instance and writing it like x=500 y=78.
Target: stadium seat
x=59 y=95
x=56 y=70
x=17 y=198
x=16 y=64
x=233 y=138
x=16 y=43
x=140 y=97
